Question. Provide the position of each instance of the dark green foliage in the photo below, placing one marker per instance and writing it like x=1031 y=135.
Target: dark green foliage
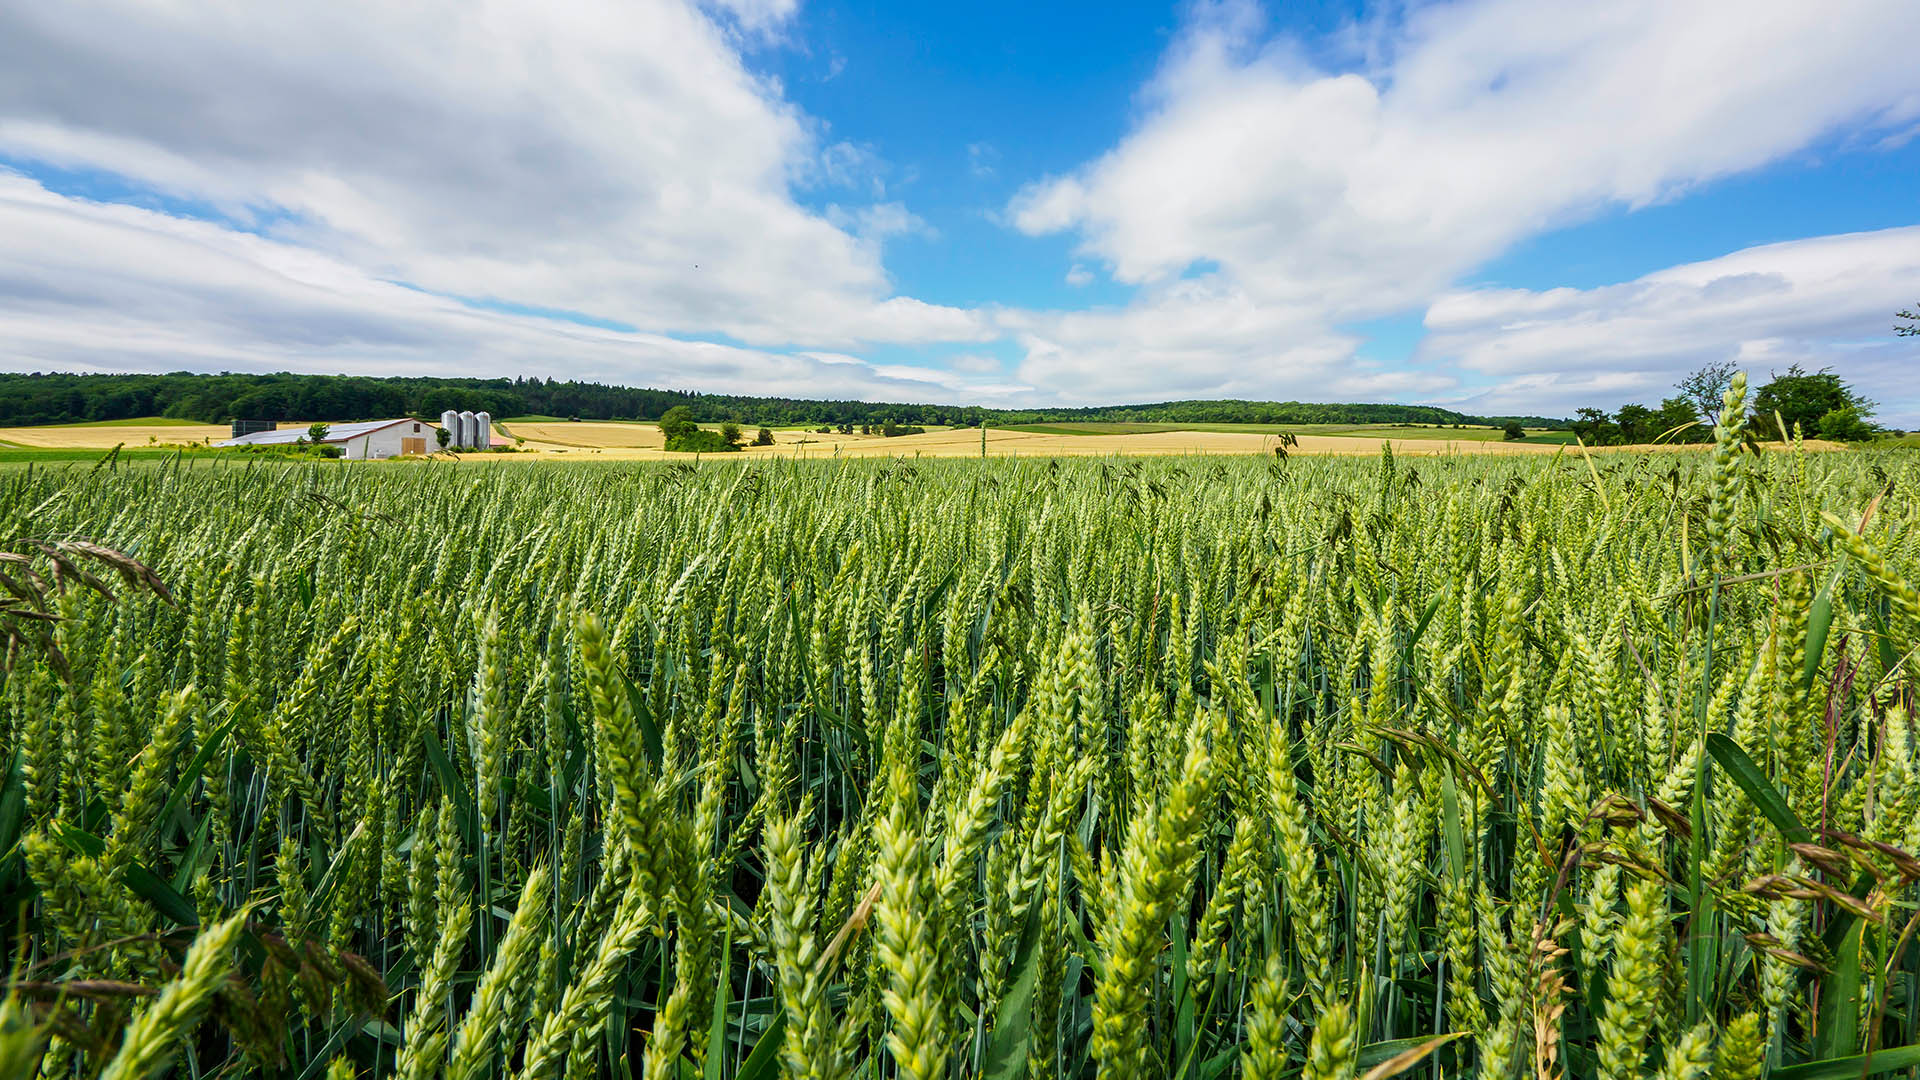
x=1595 y=427
x=700 y=441
x=686 y=437
x=1844 y=424
x=1636 y=423
x=677 y=421
x=1513 y=432
x=1807 y=399
x=764 y=438
x=1678 y=416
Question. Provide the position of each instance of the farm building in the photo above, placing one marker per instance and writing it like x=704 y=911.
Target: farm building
x=369 y=439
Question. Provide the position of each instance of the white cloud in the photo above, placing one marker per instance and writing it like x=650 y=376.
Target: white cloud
x=1261 y=200
x=1827 y=301
x=583 y=156
x=97 y=287
x=758 y=15
x=874 y=225
x=974 y=363
x=1078 y=276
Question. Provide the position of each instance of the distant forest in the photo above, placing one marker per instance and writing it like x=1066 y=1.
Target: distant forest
x=215 y=399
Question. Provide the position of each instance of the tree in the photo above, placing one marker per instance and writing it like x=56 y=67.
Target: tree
x=1679 y=415
x=1805 y=398
x=764 y=438
x=317 y=434
x=677 y=421
x=1595 y=427
x=1636 y=423
x=442 y=436
x=1845 y=424
x=686 y=437
x=1707 y=388
x=1514 y=432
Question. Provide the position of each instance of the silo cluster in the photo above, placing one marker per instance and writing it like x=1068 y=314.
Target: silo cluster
x=468 y=430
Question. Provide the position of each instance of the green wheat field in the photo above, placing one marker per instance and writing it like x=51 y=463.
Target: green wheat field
x=1324 y=768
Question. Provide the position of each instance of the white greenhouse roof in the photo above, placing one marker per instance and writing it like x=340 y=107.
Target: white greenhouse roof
x=335 y=433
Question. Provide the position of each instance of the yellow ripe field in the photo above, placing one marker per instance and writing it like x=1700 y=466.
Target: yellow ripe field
x=633 y=441
x=624 y=441
x=108 y=436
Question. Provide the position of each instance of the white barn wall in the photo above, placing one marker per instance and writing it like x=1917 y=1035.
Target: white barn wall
x=386 y=442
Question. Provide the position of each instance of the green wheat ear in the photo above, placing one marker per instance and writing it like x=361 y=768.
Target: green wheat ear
x=159 y=1030
x=474 y=1044
x=1634 y=984
x=1264 y=1057
x=1691 y=1056
x=1153 y=876
x=1902 y=595
x=1741 y=1050
x=1334 y=1052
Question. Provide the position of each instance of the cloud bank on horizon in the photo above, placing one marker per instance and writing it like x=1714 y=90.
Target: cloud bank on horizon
x=621 y=190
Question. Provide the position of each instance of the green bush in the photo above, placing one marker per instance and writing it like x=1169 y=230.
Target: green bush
x=698 y=440
x=1844 y=424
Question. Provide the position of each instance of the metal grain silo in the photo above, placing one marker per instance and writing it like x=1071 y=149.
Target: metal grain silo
x=483 y=430
x=450 y=420
x=469 y=425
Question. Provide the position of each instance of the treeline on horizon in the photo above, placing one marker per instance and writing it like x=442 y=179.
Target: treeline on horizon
x=68 y=398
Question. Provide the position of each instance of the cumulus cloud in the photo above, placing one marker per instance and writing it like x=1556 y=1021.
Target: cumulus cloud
x=611 y=157
x=1262 y=199
x=1819 y=302
x=99 y=287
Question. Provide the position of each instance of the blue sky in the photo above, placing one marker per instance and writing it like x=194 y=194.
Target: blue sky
x=1501 y=205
